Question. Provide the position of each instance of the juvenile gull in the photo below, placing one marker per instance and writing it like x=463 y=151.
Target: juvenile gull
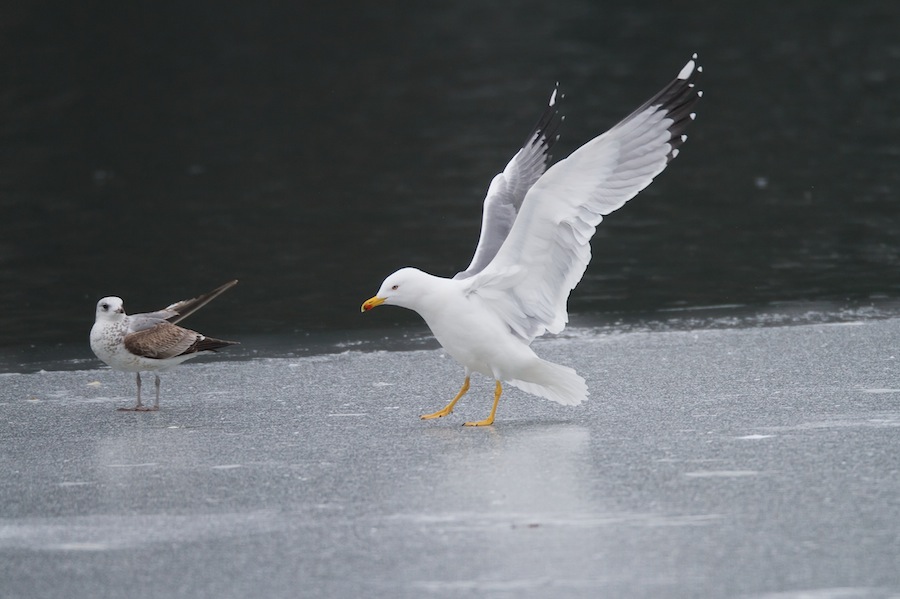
x=535 y=245
x=151 y=341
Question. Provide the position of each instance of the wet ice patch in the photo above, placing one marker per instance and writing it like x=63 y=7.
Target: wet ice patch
x=721 y=473
x=824 y=593
x=465 y=521
x=516 y=584
x=79 y=547
x=879 y=391
x=754 y=437
x=884 y=420
x=106 y=533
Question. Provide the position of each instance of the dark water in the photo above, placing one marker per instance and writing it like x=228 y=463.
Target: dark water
x=311 y=150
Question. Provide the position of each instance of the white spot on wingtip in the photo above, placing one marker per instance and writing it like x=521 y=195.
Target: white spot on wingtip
x=700 y=94
x=693 y=116
x=553 y=96
x=699 y=69
x=686 y=70
x=694 y=56
x=683 y=138
x=674 y=152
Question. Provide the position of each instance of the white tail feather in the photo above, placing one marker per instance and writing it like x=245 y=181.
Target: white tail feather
x=554 y=382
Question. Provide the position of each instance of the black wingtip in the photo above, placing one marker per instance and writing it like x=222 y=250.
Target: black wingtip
x=677 y=101
x=545 y=132
x=680 y=104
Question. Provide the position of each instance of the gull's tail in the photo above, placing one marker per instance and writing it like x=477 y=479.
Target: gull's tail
x=554 y=382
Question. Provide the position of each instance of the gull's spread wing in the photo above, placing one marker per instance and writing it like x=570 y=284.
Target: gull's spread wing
x=178 y=311
x=507 y=190
x=548 y=249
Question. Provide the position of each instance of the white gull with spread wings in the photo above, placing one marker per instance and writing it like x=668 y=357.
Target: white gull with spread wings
x=535 y=246
x=151 y=341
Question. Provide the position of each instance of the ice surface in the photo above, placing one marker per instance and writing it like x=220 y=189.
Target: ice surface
x=753 y=462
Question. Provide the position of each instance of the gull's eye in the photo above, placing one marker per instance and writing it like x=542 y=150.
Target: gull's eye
x=104 y=306
x=394 y=288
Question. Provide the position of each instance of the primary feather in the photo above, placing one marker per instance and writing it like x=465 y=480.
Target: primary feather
x=508 y=188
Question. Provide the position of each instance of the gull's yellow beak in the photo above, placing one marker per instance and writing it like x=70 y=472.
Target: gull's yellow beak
x=372 y=302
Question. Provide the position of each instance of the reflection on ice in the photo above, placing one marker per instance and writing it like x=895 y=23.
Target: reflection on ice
x=528 y=469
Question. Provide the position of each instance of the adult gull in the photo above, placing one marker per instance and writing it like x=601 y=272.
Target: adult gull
x=535 y=245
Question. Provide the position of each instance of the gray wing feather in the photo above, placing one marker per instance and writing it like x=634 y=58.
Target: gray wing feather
x=507 y=190
x=184 y=308
x=178 y=311
x=142 y=322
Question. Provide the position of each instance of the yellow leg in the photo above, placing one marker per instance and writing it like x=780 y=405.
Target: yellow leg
x=449 y=407
x=490 y=419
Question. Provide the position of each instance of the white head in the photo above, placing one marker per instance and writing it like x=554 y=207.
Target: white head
x=110 y=309
x=404 y=288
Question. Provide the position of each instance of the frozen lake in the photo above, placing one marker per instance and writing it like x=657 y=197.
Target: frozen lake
x=743 y=462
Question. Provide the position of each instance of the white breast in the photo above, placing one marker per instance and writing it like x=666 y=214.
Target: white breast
x=476 y=337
